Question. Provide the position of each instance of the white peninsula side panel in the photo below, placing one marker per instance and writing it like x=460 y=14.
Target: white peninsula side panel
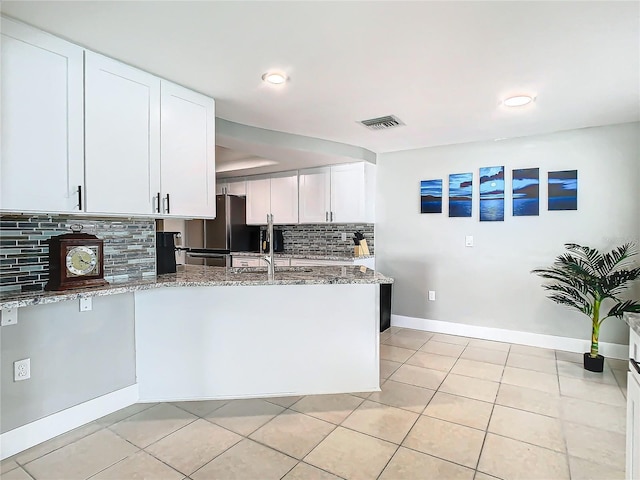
x=196 y=343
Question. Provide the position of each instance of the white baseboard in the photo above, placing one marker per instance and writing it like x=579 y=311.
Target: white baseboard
x=31 y=434
x=611 y=350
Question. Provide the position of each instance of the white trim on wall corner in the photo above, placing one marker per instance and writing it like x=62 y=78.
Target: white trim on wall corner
x=31 y=434
x=611 y=350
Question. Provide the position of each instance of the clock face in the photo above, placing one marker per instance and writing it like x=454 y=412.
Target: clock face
x=82 y=261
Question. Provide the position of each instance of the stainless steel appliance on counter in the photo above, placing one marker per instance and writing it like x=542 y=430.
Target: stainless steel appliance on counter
x=212 y=242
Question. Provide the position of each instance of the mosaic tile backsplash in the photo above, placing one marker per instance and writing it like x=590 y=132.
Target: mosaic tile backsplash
x=129 y=247
x=324 y=239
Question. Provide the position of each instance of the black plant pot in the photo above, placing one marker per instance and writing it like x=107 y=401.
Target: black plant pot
x=593 y=364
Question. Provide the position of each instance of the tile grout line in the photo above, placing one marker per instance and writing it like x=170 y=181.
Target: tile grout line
x=422 y=413
x=414 y=423
x=243 y=437
x=102 y=427
x=486 y=432
x=562 y=423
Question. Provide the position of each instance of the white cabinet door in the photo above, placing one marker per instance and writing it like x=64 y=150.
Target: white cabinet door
x=315 y=195
x=284 y=198
x=347 y=193
x=633 y=428
x=339 y=194
x=232 y=186
x=122 y=137
x=236 y=187
x=187 y=153
x=42 y=129
x=258 y=201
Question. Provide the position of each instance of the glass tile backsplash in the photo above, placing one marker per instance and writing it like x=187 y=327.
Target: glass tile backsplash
x=129 y=247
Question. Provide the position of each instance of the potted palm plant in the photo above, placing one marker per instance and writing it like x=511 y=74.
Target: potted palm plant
x=585 y=279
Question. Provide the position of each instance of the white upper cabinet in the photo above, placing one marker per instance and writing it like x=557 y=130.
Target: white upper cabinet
x=338 y=194
x=187 y=153
x=276 y=195
x=315 y=195
x=284 y=198
x=42 y=129
x=352 y=193
x=232 y=186
x=85 y=133
x=258 y=200
x=122 y=137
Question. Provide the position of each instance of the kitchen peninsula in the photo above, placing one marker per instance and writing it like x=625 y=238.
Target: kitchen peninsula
x=210 y=332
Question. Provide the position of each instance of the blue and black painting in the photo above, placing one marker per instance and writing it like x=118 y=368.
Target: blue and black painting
x=460 y=194
x=431 y=196
x=526 y=192
x=563 y=190
x=492 y=194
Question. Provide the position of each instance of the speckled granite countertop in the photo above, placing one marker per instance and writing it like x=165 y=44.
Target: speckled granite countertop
x=633 y=320
x=201 y=276
x=302 y=256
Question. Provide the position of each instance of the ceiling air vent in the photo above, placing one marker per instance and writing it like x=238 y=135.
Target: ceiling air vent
x=382 y=123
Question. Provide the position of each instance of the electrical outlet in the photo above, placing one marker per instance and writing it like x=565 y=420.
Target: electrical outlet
x=344 y=237
x=432 y=295
x=468 y=241
x=9 y=316
x=21 y=369
x=85 y=304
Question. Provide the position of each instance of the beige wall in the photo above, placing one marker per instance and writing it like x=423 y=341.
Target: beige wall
x=490 y=284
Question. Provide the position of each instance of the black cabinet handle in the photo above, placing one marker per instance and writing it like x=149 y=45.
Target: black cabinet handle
x=326 y=216
x=158 y=200
x=80 y=197
x=635 y=365
x=168 y=204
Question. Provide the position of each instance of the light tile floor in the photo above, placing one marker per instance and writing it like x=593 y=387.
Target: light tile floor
x=450 y=408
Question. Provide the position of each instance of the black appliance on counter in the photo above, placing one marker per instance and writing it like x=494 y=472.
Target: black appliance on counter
x=165 y=252
x=278 y=241
x=212 y=242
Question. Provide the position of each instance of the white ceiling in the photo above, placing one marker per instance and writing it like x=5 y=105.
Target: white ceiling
x=441 y=67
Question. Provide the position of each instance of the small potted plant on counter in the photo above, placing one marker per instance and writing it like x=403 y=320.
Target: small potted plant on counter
x=585 y=279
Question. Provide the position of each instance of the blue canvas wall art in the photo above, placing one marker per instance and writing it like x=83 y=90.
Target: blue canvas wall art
x=563 y=190
x=492 y=194
x=431 y=196
x=460 y=194
x=526 y=192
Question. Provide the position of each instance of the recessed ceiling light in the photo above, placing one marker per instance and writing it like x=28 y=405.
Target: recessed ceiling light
x=517 y=101
x=275 y=78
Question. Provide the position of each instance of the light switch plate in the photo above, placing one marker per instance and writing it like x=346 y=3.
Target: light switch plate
x=468 y=241
x=9 y=317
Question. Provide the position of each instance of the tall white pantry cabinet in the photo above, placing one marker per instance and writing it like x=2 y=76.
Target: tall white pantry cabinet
x=137 y=145
x=42 y=121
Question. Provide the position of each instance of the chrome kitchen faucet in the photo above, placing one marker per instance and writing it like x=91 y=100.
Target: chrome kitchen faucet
x=269 y=257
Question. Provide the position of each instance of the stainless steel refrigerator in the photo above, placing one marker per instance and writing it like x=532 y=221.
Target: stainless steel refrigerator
x=212 y=242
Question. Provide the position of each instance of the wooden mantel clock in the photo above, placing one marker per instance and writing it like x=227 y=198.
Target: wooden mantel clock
x=76 y=260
